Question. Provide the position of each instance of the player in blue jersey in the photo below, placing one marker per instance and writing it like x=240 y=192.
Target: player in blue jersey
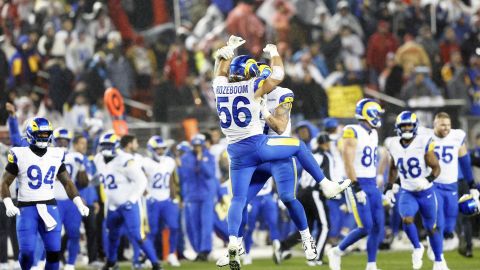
x=412 y=157
x=238 y=90
x=360 y=158
x=74 y=163
x=36 y=168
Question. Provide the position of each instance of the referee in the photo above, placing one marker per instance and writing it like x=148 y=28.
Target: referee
x=312 y=199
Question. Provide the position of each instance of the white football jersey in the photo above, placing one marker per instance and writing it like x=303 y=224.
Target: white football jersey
x=446 y=150
x=365 y=163
x=122 y=177
x=410 y=161
x=277 y=97
x=73 y=162
x=237 y=108
x=158 y=174
x=36 y=175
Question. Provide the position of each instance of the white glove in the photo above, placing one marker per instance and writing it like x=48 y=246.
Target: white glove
x=475 y=193
x=271 y=49
x=380 y=180
x=84 y=210
x=390 y=197
x=395 y=188
x=263 y=107
x=225 y=52
x=361 y=197
x=11 y=209
x=235 y=42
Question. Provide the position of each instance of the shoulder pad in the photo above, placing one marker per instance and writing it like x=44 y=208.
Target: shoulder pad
x=349 y=132
x=11 y=157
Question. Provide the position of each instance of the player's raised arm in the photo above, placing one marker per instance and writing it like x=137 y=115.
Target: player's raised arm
x=224 y=56
x=278 y=72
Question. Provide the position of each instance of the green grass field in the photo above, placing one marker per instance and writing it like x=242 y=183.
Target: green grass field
x=356 y=261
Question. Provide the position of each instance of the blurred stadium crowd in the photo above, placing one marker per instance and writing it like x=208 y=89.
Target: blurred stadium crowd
x=58 y=57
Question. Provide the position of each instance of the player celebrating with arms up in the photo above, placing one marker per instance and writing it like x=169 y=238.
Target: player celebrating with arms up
x=238 y=90
x=35 y=168
x=412 y=154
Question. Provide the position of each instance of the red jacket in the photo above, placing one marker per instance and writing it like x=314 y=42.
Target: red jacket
x=379 y=45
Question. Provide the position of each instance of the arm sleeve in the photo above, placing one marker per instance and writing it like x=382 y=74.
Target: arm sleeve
x=465 y=165
x=61 y=169
x=12 y=168
x=14 y=132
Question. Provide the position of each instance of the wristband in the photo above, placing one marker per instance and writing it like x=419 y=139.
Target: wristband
x=430 y=178
x=356 y=187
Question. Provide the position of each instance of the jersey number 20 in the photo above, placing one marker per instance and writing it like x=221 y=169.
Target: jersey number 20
x=35 y=177
x=235 y=113
x=161 y=181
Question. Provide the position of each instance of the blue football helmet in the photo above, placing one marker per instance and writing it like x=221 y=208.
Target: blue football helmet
x=406 y=118
x=39 y=132
x=198 y=139
x=369 y=110
x=184 y=146
x=468 y=205
x=109 y=143
x=243 y=67
x=62 y=133
x=264 y=69
x=154 y=143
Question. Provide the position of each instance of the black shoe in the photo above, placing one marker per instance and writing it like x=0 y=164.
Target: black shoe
x=110 y=266
x=466 y=253
x=157 y=266
x=201 y=257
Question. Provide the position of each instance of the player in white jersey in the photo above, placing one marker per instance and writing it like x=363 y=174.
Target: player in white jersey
x=74 y=163
x=124 y=183
x=161 y=172
x=238 y=90
x=452 y=152
x=412 y=159
x=360 y=158
x=36 y=168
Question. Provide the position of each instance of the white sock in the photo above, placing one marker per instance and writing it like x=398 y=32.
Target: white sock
x=233 y=240
x=305 y=234
x=240 y=240
x=372 y=264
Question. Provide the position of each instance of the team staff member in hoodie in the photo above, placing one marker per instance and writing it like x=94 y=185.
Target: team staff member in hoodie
x=198 y=174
